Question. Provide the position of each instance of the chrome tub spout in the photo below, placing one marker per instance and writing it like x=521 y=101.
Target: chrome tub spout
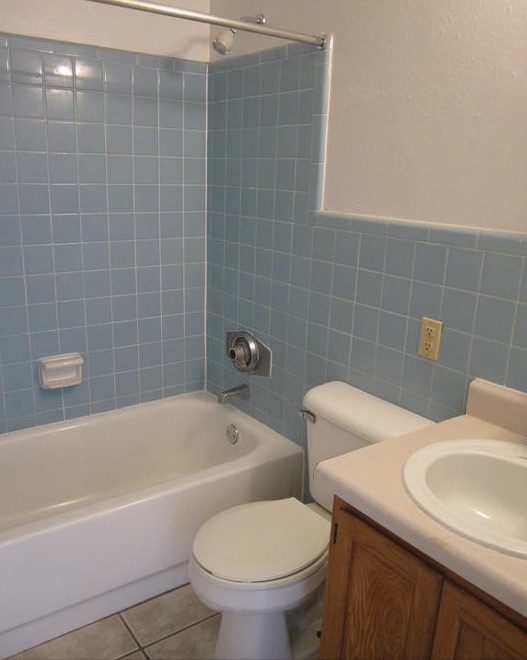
x=238 y=392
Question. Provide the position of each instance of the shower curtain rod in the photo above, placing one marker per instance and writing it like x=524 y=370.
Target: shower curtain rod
x=175 y=12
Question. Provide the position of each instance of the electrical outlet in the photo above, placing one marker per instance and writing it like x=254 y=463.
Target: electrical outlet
x=430 y=338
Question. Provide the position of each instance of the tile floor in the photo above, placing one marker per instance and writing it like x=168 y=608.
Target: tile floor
x=172 y=626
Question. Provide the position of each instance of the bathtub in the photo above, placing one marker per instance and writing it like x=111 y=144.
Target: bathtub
x=99 y=513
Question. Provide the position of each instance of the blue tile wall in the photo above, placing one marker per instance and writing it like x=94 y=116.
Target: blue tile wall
x=102 y=226
x=340 y=297
x=108 y=177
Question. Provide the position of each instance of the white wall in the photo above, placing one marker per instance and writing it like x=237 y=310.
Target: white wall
x=428 y=108
x=112 y=27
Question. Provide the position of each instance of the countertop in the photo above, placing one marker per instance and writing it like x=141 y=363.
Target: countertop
x=370 y=479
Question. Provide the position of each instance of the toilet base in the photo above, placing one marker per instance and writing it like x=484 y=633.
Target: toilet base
x=253 y=637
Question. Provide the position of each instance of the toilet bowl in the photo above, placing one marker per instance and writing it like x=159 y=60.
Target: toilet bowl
x=256 y=562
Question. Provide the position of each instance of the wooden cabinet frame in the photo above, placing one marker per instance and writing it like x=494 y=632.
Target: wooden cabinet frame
x=385 y=599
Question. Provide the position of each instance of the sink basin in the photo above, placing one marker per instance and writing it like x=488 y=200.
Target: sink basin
x=478 y=488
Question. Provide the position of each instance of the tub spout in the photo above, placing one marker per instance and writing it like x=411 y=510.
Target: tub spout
x=238 y=392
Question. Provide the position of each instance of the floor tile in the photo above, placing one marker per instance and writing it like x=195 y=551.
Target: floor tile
x=194 y=643
x=166 y=614
x=106 y=639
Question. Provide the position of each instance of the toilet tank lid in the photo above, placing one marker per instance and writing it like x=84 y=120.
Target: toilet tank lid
x=364 y=414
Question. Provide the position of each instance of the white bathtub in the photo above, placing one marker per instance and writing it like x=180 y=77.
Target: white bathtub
x=99 y=513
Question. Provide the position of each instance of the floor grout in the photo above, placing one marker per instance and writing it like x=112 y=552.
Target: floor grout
x=163 y=611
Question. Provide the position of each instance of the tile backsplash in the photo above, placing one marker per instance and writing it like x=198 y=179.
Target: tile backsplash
x=102 y=225
x=123 y=177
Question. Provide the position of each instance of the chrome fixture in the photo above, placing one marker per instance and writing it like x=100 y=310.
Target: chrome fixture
x=232 y=434
x=224 y=41
x=238 y=392
x=248 y=354
x=316 y=40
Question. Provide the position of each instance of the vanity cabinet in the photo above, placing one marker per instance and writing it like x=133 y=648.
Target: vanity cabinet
x=384 y=600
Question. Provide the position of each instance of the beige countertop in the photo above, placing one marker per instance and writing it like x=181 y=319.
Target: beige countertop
x=370 y=480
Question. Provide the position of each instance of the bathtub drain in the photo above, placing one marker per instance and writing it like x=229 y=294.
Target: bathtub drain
x=232 y=434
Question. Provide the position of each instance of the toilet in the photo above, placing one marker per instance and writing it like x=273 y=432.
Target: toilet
x=256 y=562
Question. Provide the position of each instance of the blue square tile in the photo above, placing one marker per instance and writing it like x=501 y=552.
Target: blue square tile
x=145 y=81
x=42 y=317
x=396 y=294
x=91 y=138
x=463 y=269
x=488 y=359
x=95 y=256
x=100 y=363
x=34 y=199
x=15 y=349
x=494 y=318
x=66 y=228
x=120 y=198
x=389 y=365
x=123 y=281
x=92 y=168
x=98 y=310
x=99 y=337
x=170 y=114
x=38 y=259
x=68 y=257
x=455 y=349
x=28 y=101
x=26 y=66
x=89 y=106
x=63 y=168
x=7 y=167
x=145 y=111
x=290 y=74
x=171 y=85
x=94 y=227
x=9 y=230
x=93 y=198
x=7 y=140
x=12 y=291
x=36 y=229
x=501 y=275
x=118 y=77
x=4 y=65
x=71 y=314
x=61 y=136
x=458 y=309
x=369 y=287
x=58 y=71
x=430 y=263
x=449 y=387
x=97 y=283
x=69 y=286
x=64 y=199
x=89 y=75
x=517 y=370
x=425 y=300
x=102 y=389
x=59 y=104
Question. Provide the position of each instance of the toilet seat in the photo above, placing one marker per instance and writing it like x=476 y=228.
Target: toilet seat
x=261 y=541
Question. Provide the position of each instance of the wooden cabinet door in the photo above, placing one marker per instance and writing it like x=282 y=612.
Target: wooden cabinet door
x=469 y=630
x=381 y=600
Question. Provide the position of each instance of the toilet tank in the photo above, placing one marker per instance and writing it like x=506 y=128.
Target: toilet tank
x=346 y=419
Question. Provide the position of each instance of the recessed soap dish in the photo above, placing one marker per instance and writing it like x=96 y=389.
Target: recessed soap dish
x=60 y=370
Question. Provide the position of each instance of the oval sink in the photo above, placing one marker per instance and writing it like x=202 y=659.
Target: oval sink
x=477 y=488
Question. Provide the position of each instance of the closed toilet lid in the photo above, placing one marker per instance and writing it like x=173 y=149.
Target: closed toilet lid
x=261 y=541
